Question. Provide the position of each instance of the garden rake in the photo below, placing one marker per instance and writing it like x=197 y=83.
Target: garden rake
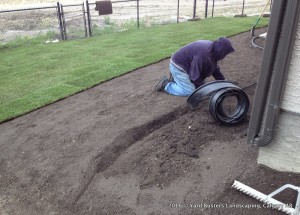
x=268 y=200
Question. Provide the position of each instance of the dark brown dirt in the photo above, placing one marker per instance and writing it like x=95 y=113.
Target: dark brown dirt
x=121 y=148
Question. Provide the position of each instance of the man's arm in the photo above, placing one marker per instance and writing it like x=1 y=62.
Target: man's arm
x=217 y=74
x=195 y=73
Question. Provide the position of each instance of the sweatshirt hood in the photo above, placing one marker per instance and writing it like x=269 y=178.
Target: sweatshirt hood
x=221 y=47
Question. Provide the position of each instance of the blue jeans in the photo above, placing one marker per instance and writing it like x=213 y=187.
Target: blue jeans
x=182 y=85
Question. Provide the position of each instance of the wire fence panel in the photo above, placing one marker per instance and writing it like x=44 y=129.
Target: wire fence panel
x=124 y=16
x=163 y=12
x=74 y=21
x=201 y=9
x=29 y=25
x=133 y=13
x=224 y=8
x=154 y=12
x=230 y=8
x=237 y=7
x=256 y=7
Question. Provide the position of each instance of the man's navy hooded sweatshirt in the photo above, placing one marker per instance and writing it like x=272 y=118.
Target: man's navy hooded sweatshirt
x=199 y=59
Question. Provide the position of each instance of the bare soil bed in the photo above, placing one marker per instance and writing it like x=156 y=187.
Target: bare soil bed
x=121 y=148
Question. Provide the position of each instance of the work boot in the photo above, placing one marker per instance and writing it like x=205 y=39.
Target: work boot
x=162 y=84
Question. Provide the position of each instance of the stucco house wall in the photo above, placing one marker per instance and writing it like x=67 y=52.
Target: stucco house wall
x=283 y=153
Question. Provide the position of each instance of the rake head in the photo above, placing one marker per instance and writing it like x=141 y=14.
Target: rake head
x=269 y=200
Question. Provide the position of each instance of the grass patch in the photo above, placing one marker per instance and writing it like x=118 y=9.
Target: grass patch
x=31 y=77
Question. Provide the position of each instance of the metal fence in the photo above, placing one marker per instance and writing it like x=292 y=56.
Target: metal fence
x=31 y=24
x=62 y=22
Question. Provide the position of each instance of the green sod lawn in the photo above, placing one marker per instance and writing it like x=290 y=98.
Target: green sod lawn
x=33 y=76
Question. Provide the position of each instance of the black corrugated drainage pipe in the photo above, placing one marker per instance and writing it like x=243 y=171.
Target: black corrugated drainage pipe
x=217 y=92
x=275 y=65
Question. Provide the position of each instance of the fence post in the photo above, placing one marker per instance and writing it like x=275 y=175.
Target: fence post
x=88 y=17
x=60 y=21
x=178 y=11
x=243 y=7
x=138 y=13
x=63 y=22
x=213 y=9
x=194 y=11
x=84 y=19
x=206 y=6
